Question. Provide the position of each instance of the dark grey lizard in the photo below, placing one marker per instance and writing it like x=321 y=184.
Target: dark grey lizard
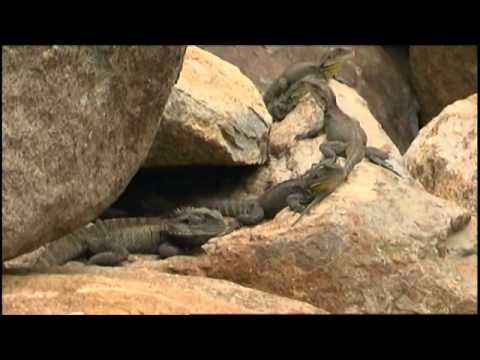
x=326 y=68
x=295 y=193
x=111 y=241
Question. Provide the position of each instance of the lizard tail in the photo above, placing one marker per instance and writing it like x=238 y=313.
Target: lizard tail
x=378 y=157
x=229 y=208
x=62 y=250
x=383 y=164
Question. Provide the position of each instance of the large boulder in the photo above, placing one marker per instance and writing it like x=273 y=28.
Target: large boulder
x=442 y=75
x=373 y=246
x=376 y=245
x=444 y=155
x=78 y=122
x=214 y=116
x=139 y=289
x=377 y=77
x=444 y=159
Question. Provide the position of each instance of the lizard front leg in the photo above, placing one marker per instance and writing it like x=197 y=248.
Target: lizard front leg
x=282 y=105
x=298 y=201
x=318 y=198
x=279 y=109
x=333 y=148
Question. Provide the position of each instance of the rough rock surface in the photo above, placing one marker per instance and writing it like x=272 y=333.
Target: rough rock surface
x=207 y=119
x=376 y=76
x=374 y=246
x=461 y=253
x=290 y=158
x=444 y=155
x=442 y=75
x=370 y=247
x=140 y=289
x=444 y=159
x=77 y=123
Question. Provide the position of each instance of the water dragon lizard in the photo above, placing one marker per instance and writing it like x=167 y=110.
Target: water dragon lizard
x=110 y=241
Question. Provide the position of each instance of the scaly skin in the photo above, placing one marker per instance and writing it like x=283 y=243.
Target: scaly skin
x=295 y=193
x=111 y=241
x=345 y=136
x=324 y=69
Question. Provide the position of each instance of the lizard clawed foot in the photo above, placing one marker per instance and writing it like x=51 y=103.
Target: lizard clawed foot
x=298 y=208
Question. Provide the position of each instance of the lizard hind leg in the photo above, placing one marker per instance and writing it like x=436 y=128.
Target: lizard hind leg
x=106 y=252
x=379 y=158
x=251 y=214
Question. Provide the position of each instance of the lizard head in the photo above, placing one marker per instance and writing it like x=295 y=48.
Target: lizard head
x=335 y=59
x=197 y=224
x=325 y=176
x=280 y=107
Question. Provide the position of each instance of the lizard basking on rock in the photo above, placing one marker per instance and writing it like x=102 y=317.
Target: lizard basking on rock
x=295 y=193
x=111 y=241
x=345 y=136
x=321 y=188
x=326 y=68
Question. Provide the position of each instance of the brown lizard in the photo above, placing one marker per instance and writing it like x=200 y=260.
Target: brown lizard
x=326 y=68
x=345 y=135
